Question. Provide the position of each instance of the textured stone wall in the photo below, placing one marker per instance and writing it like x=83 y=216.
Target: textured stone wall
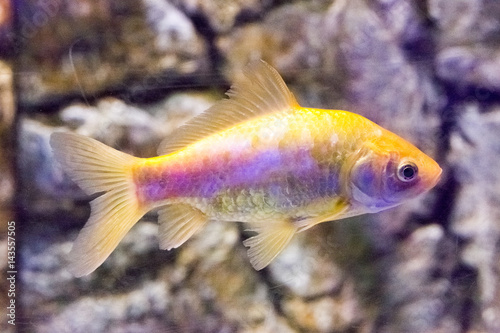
x=129 y=72
x=7 y=165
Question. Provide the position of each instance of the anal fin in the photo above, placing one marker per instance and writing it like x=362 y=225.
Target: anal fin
x=270 y=240
x=178 y=222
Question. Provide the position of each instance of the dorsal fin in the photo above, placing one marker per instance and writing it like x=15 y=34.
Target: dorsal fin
x=261 y=91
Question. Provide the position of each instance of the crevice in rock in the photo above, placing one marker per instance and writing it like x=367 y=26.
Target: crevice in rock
x=277 y=293
x=202 y=25
x=464 y=278
x=446 y=198
x=248 y=16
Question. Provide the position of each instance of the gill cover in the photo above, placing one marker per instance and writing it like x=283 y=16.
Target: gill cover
x=383 y=180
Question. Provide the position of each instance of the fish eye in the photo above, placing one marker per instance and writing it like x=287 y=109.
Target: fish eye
x=407 y=172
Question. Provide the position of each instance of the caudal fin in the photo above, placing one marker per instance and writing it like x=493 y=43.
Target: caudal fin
x=96 y=167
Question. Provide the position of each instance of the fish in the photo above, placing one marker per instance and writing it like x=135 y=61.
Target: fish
x=256 y=157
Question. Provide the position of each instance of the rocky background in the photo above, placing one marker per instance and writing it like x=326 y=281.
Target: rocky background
x=129 y=72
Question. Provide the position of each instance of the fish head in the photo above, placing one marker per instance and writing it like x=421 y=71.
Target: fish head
x=389 y=171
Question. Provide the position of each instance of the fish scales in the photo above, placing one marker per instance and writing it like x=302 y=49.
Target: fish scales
x=257 y=157
x=282 y=161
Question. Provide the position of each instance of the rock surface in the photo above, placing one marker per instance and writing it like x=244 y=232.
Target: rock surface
x=7 y=182
x=86 y=48
x=128 y=73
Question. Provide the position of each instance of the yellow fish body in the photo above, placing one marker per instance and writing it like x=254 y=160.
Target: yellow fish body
x=257 y=157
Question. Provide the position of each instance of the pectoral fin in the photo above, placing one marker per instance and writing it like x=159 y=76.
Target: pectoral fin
x=269 y=242
x=178 y=223
x=336 y=210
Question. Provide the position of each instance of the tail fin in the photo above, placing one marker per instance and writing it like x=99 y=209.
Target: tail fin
x=96 y=167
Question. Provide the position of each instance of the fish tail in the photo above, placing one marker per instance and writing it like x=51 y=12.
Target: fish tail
x=96 y=167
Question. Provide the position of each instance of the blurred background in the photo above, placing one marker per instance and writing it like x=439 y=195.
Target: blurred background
x=128 y=72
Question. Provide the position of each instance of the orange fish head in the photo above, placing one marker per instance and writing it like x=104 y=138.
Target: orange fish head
x=391 y=171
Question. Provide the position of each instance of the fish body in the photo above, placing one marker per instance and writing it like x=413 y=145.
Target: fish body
x=278 y=164
x=257 y=157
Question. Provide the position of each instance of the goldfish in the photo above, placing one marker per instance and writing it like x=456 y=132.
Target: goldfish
x=256 y=157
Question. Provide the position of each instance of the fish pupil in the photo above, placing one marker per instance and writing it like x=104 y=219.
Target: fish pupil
x=407 y=172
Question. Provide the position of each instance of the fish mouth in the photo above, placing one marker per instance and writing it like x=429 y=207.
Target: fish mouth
x=436 y=176
x=430 y=176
